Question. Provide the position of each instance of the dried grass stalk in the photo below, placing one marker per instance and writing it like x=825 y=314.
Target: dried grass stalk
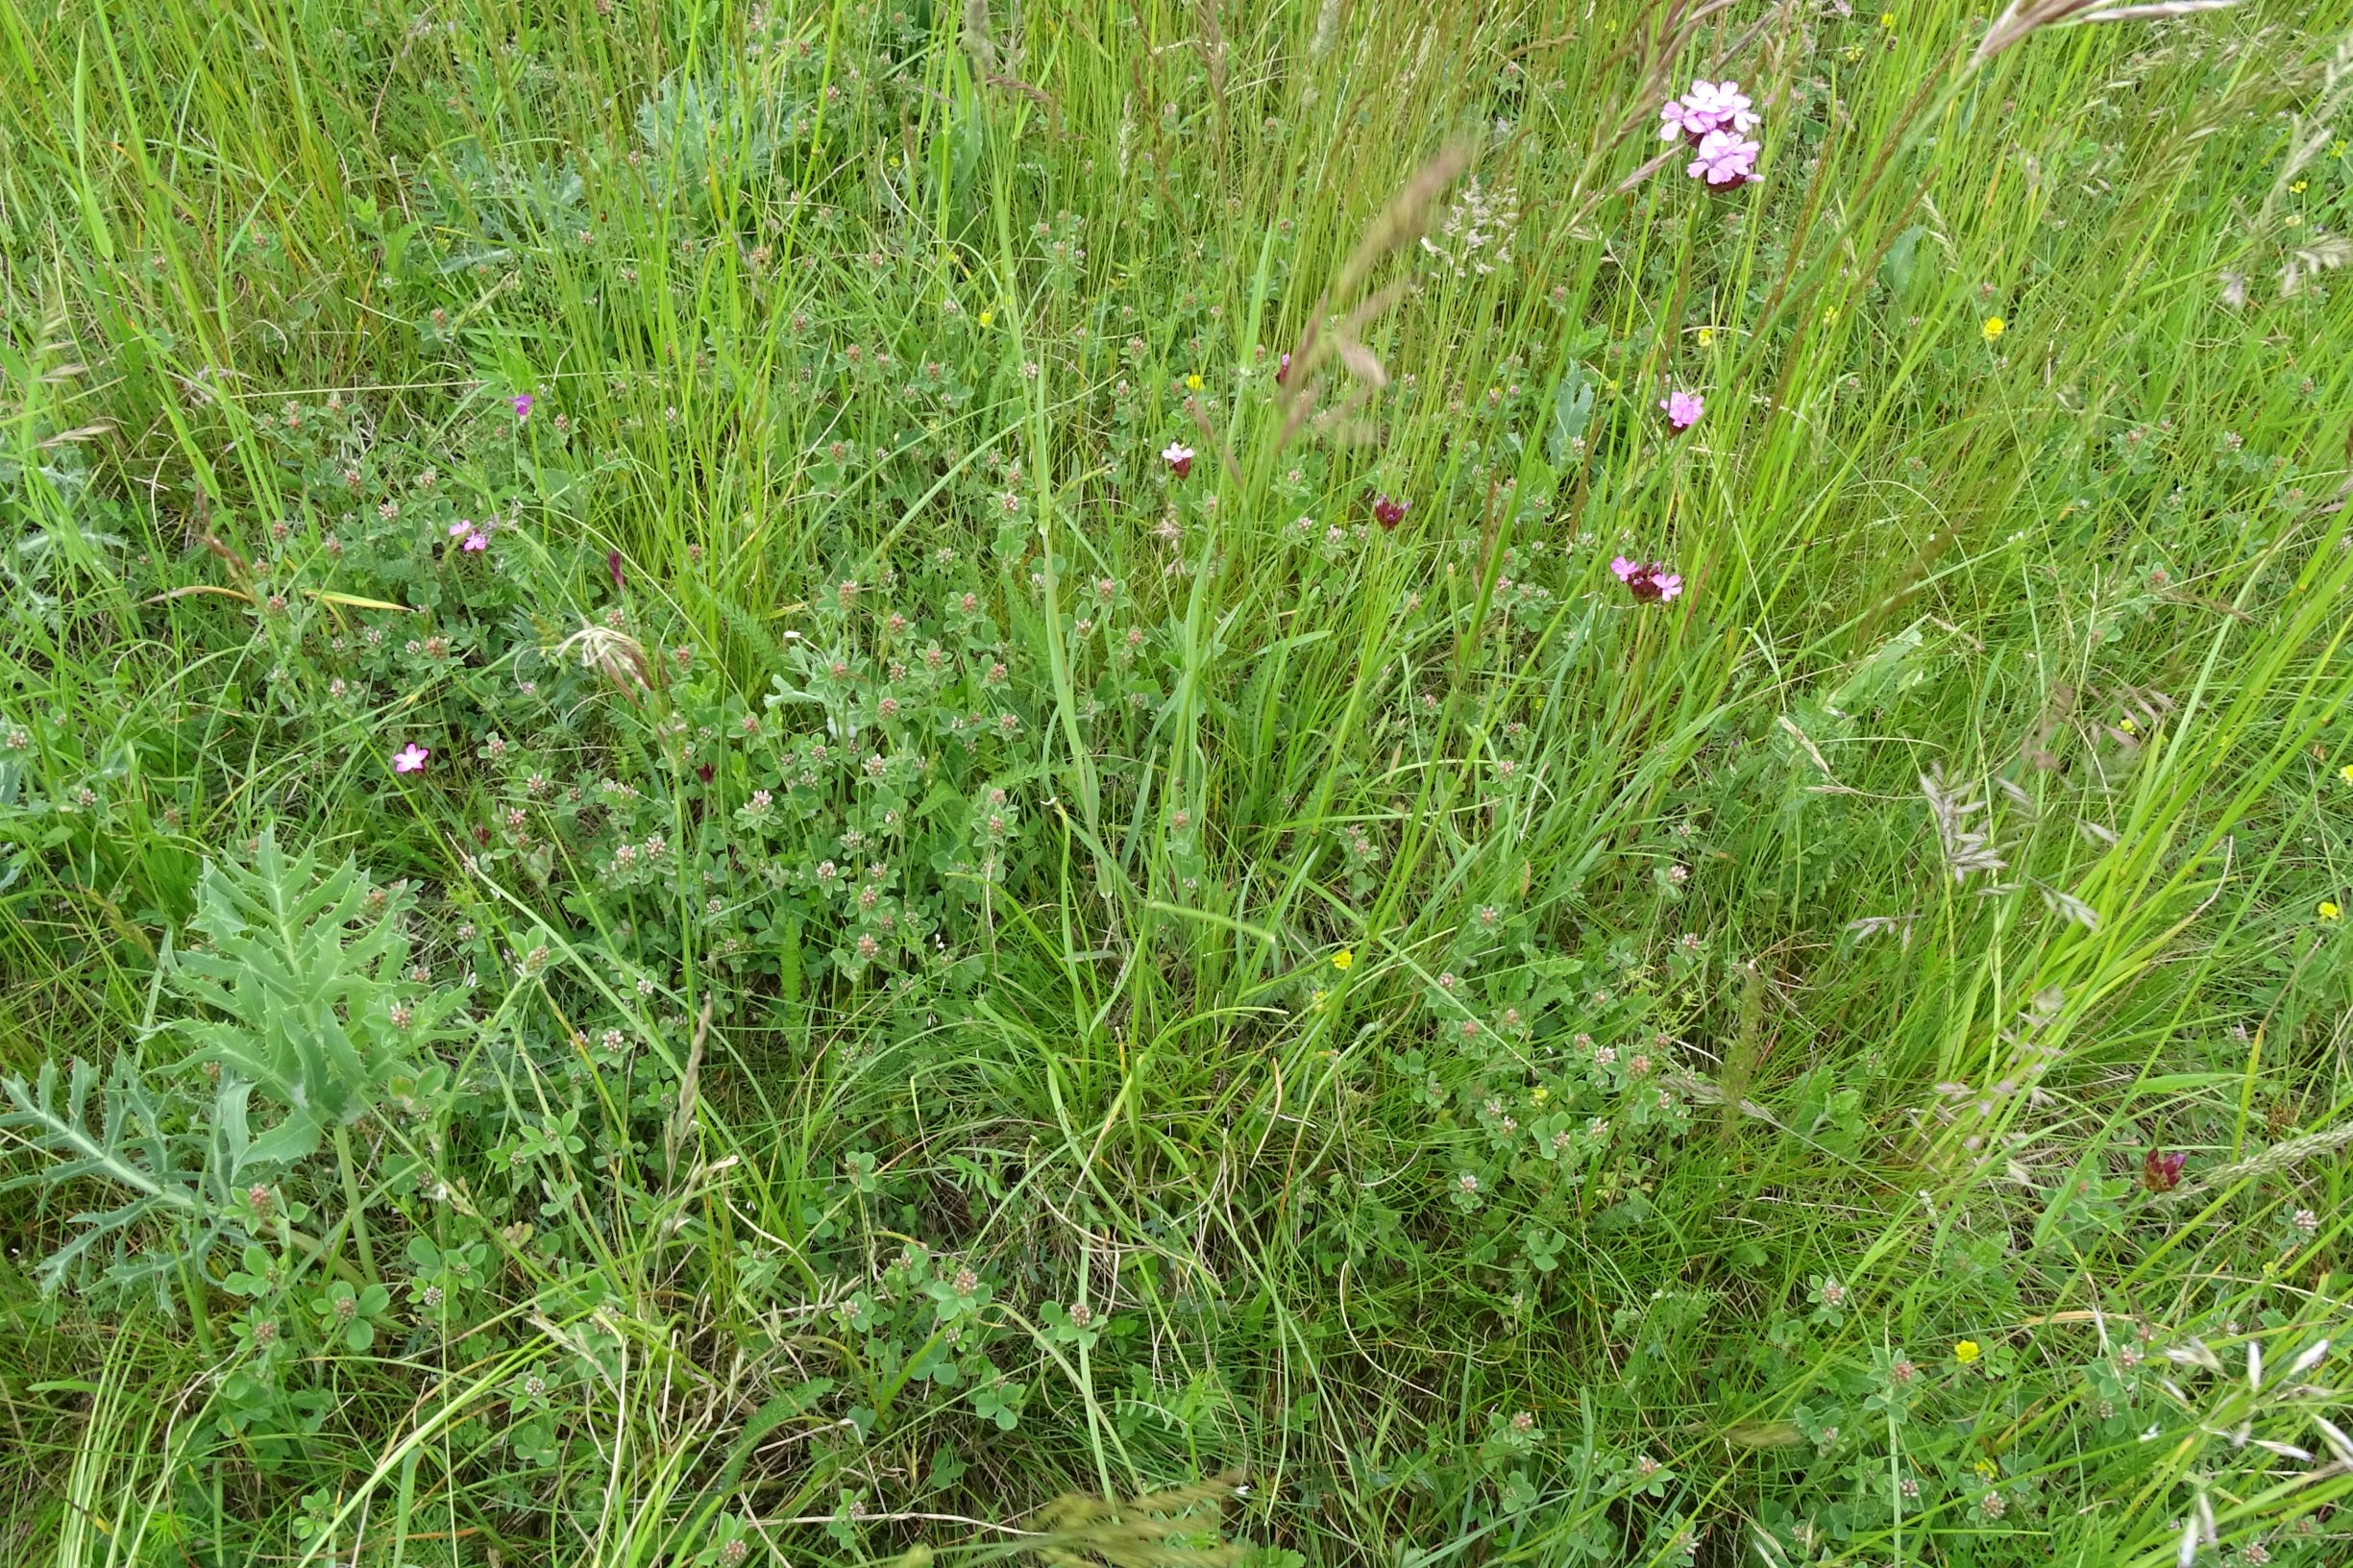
x=2026 y=17
x=1148 y=1531
x=1400 y=225
x=2274 y=1160
x=619 y=656
x=976 y=40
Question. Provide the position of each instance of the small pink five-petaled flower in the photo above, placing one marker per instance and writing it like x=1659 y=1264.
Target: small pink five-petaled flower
x=410 y=759
x=1180 y=458
x=1683 y=408
x=1648 y=581
x=476 y=540
x=522 y=407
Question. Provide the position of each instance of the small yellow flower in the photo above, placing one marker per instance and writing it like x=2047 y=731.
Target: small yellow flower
x=1993 y=328
x=1887 y=18
x=1829 y=314
x=2347 y=772
x=1192 y=382
x=2328 y=909
x=988 y=317
x=1540 y=1094
x=1343 y=958
x=2294 y=220
x=1967 y=1352
x=2127 y=726
x=2299 y=186
x=1315 y=1003
x=1987 y=1469
x=1707 y=337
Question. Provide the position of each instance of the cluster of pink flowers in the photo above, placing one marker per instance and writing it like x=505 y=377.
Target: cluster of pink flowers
x=476 y=539
x=1683 y=408
x=1179 y=458
x=1712 y=117
x=1389 y=512
x=1650 y=582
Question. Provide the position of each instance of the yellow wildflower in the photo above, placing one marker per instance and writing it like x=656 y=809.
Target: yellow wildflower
x=1967 y=1352
x=1887 y=18
x=2328 y=910
x=1192 y=382
x=1707 y=337
x=1343 y=958
x=1993 y=328
x=987 y=317
x=2347 y=772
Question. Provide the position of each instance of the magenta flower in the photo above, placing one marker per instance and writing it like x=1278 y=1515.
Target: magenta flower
x=1180 y=458
x=612 y=568
x=522 y=407
x=1683 y=408
x=1389 y=513
x=476 y=543
x=1724 y=158
x=410 y=760
x=1283 y=371
x=1709 y=106
x=460 y=528
x=1721 y=104
x=1650 y=582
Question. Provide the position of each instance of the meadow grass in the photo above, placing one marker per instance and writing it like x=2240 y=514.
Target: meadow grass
x=734 y=832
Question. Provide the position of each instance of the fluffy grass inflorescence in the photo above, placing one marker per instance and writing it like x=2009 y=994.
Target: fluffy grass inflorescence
x=1174 y=784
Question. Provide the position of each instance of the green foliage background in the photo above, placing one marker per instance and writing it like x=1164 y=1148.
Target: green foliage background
x=942 y=965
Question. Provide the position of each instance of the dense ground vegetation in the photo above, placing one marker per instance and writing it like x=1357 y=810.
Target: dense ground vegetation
x=815 y=783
